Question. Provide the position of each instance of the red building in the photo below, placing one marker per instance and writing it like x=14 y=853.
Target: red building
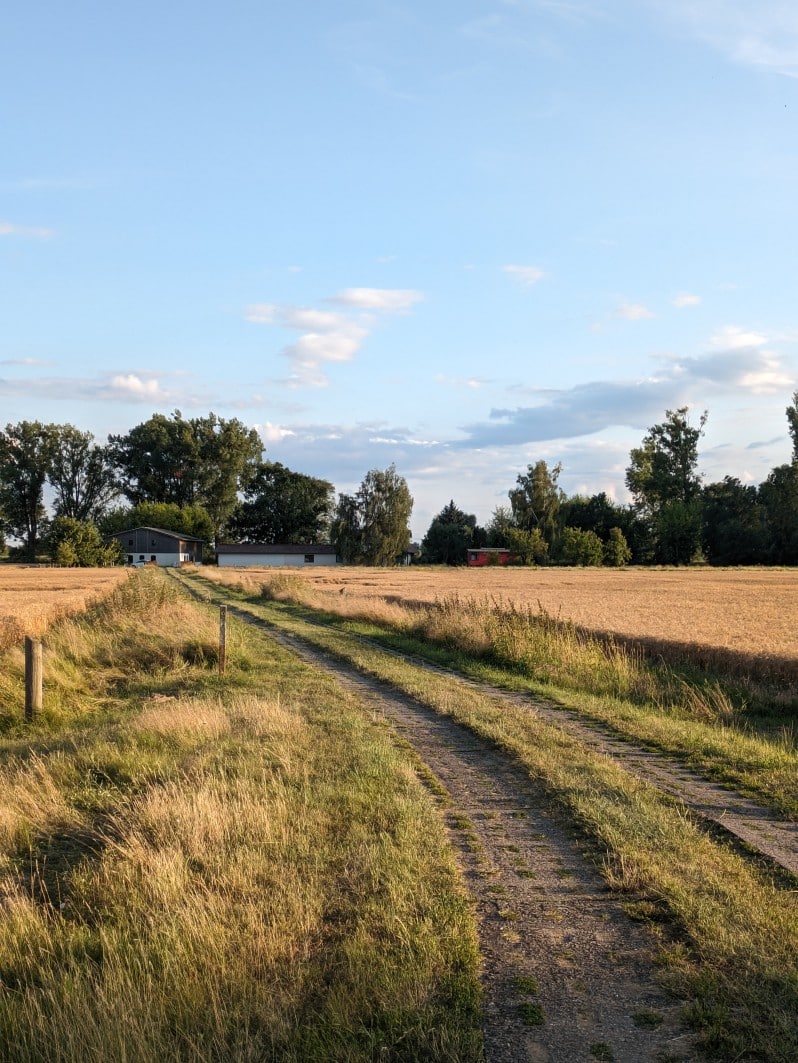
x=488 y=555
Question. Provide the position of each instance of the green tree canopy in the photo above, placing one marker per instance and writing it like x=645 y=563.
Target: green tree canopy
x=187 y=520
x=535 y=501
x=792 y=422
x=666 y=487
x=449 y=536
x=198 y=461
x=79 y=543
x=26 y=456
x=371 y=527
x=579 y=547
x=81 y=475
x=733 y=530
x=281 y=506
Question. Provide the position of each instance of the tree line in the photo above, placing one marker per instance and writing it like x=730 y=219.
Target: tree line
x=200 y=476
x=674 y=517
x=207 y=477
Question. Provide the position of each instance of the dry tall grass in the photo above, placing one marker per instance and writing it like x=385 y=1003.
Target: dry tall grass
x=739 y=620
x=218 y=868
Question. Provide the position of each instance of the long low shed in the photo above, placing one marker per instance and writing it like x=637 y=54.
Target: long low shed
x=256 y=555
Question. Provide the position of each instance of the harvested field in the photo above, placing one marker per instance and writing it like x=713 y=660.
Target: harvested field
x=750 y=612
x=31 y=598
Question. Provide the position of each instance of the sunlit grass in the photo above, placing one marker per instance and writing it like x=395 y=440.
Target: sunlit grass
x=729 y=934
x=206 y=868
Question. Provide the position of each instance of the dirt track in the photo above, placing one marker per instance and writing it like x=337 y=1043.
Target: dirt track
x=547 y=921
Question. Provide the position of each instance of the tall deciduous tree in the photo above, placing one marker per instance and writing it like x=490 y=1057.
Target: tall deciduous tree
x=200 y=461
x=536 y=500
x=449 y=536
x=792 y=422
x=81 y=475
x=281 y=506
x=26 y=455
x=666 y=487
x=733 y=530
x=371 y=527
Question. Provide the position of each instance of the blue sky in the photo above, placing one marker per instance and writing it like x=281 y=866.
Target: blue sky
x=459 y=236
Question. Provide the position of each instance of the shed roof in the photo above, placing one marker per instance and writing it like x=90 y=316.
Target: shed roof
x=161 y=531
x=275 y=548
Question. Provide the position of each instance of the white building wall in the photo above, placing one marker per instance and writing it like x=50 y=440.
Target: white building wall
x=274 y=560
x=162 y=559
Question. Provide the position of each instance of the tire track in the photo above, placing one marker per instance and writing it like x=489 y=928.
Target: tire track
x=567 y=976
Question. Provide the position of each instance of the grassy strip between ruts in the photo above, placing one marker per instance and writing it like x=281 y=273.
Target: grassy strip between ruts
x=733 y=934
x=196 y=867
x=689 y=718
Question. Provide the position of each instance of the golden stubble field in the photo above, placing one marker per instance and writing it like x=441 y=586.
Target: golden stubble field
x=32 y=598
x=748 y=611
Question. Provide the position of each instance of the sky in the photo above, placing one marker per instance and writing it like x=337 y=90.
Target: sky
x=459 y=237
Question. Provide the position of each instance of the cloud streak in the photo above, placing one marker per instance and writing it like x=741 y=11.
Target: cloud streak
x=31 y=232
x=763 y=35
x=600 y=405
x=328 y=336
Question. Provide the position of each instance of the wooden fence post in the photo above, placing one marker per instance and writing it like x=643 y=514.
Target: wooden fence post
x=222 y=638
x=33 y=677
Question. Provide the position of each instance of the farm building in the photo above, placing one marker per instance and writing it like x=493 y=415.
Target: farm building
x=159 y=546
x=488 y=555
x=251 y=555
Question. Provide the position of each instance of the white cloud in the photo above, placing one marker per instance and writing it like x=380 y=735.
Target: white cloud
x=388 y=300
x=473 y=383
x=273 y=433
x=733 y=338
x=35 y=232
x=526 y=275
x=686 y=299
x=261 y=313
x=326 y=335
x=761 y=34
x=136 y=386
x=27 y=361
x=634 y=312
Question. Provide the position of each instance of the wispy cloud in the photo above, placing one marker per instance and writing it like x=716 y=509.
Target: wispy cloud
x=734 y=338
x=634 y=312
x=388 y=300
x=685 y=299
x=472 y=383
x=526 y=275
x=135 y=386
x=31 y=232
x=27 y=361
x=762 y=34
x=329 y=336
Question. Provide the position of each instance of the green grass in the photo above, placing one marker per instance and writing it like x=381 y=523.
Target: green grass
x=196 y=867
x=729 y=934
x=702 y=720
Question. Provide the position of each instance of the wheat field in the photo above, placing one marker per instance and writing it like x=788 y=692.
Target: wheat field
x=31 y=598
x=746 y=611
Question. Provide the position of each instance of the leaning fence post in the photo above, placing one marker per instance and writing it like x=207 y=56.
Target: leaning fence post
x=222 y=638
x=33 y=677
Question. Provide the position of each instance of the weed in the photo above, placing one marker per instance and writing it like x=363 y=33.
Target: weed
x=532 y=1013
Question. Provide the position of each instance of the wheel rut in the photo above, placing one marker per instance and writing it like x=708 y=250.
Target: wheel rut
x=567 y=975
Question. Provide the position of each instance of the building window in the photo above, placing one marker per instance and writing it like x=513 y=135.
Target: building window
x=130 y=559
x=130 y=542
x=141 y=557
x=153 y=557
x=309 y=559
